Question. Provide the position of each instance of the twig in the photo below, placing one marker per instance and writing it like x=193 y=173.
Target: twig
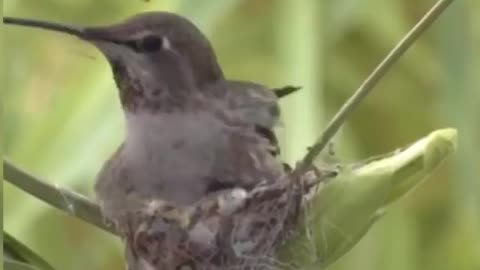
x=63 y=199
x=352 y=103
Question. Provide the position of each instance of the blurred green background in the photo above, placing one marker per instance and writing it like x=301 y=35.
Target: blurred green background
x=62 y=118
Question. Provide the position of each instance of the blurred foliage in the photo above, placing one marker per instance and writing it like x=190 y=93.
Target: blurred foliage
x=63 y=117
x=18 y=252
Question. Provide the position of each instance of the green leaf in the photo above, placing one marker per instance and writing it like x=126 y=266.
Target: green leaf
x=16 y=265
x=19 y=256
x=345 y=208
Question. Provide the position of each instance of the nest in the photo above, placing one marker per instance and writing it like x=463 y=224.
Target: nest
x=233 y=229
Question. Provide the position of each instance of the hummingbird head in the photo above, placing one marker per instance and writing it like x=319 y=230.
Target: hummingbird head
x=158 y=59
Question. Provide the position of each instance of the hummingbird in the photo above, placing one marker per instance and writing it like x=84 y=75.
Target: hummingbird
x=190 y=131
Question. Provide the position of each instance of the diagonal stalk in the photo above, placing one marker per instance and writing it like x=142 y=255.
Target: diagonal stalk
x=63 y=199
x=378 y=73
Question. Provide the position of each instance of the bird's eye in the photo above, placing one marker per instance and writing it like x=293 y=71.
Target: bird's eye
x=150 y=44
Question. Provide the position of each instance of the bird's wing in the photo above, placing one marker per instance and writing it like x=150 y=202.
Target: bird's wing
x=255 y=105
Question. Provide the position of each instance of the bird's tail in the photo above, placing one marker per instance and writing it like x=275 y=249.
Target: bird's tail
x=286 y=90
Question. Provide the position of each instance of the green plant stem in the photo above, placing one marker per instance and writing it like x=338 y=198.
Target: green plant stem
x=379 y=72
x=63 y=199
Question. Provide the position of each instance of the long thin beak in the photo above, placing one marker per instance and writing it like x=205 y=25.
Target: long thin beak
x=72 y=30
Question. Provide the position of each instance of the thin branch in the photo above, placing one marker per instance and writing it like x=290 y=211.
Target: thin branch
x=63 y=199
x=379 y=72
